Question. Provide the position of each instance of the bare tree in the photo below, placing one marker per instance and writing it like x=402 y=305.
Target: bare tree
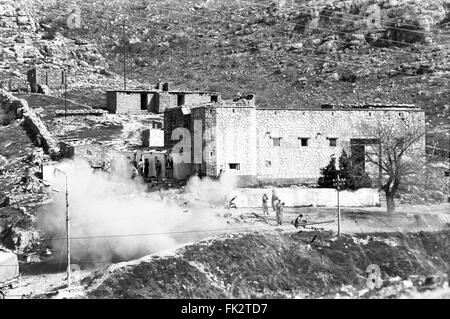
x=398 y=150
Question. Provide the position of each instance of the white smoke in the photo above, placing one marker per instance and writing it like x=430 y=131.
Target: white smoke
x=117 y=219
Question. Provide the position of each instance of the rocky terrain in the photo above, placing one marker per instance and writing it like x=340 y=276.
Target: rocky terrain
x=282 y=265
x=290 y=53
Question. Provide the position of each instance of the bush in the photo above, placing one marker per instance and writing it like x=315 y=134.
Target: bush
x=329 y=173
x=354 y=176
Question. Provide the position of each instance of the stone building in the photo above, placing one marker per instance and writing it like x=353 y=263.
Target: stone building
x=154 y=101
x=271 y=145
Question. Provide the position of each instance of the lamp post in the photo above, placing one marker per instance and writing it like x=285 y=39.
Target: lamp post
x=67 y=227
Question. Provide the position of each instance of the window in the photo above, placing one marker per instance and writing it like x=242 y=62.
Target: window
x=144 y=101
x=303 y=141
x=214 y=98
x=333 y=142
x=276 y=141
x=180 y=99
x=235 y=166
x=268 y=163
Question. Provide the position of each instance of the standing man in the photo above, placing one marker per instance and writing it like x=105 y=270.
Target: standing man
x=265 y=204
x=280 y=209
x=140 y=167
x=275 y=198
x=158 y=168
x=146 y=168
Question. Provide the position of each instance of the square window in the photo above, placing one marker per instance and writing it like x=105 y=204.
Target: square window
x=235 y=166
x=303 y=141
x=276 y=141
x=333 y=142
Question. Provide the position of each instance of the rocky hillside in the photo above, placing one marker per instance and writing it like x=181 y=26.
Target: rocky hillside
x=289 y=52
x=282 y=265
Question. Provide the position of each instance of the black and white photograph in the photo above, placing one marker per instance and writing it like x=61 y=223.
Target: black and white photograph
x=224 y=150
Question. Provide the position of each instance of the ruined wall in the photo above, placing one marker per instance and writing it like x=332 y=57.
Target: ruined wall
x=290 y=160
x=196 y=98
x=16 y=108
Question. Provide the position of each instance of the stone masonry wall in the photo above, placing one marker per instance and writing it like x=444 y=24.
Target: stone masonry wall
x=128 y=103
x=16 y=108
x=291 y=160
x=236 y=139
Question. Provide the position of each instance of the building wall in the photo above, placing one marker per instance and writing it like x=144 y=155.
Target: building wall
x=236 y=140
x=237 y=133
x=129 y=103
x=291 y=160
x=111 y=102
x=153 y=138
x=173 y=119
x=203 y=139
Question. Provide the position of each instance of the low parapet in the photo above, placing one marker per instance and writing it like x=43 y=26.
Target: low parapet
x=371 y=106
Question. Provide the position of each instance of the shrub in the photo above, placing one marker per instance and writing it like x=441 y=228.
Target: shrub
x=354 y=176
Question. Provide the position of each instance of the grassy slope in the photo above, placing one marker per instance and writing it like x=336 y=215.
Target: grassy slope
x=274 y=265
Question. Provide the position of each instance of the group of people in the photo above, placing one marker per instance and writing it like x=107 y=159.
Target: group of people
x=277 y=206
x=143 y=168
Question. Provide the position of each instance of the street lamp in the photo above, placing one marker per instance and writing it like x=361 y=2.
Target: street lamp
x=67 y=227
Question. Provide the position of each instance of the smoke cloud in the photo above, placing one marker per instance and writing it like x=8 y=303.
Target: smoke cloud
x=114 y=218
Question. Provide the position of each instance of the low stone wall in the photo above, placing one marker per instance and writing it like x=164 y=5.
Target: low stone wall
x=252 y=197
x=13 y=108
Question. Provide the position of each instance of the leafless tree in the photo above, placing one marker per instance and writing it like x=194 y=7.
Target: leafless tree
x=398 y=150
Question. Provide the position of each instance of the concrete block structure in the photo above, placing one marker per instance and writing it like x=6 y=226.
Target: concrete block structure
x=270 y=145
x=53 y=78
x=154 y=101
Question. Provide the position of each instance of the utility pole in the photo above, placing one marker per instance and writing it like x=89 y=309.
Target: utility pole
x=124 y=58
x=65 y=94
x=338 y=183
x=67 y=229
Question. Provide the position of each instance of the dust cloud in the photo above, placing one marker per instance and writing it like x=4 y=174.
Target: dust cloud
x=114 y=218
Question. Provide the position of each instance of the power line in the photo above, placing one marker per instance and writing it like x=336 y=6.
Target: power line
x=246 y=47
x=285 y=32
x=348 y=14
x=159 y=233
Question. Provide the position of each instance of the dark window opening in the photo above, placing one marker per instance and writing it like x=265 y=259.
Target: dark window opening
x=303 y=141
x=214 y=98
x=333 y=142
x=180 y=99
x=144 y=101
x=235 y=166
x=276 y=141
